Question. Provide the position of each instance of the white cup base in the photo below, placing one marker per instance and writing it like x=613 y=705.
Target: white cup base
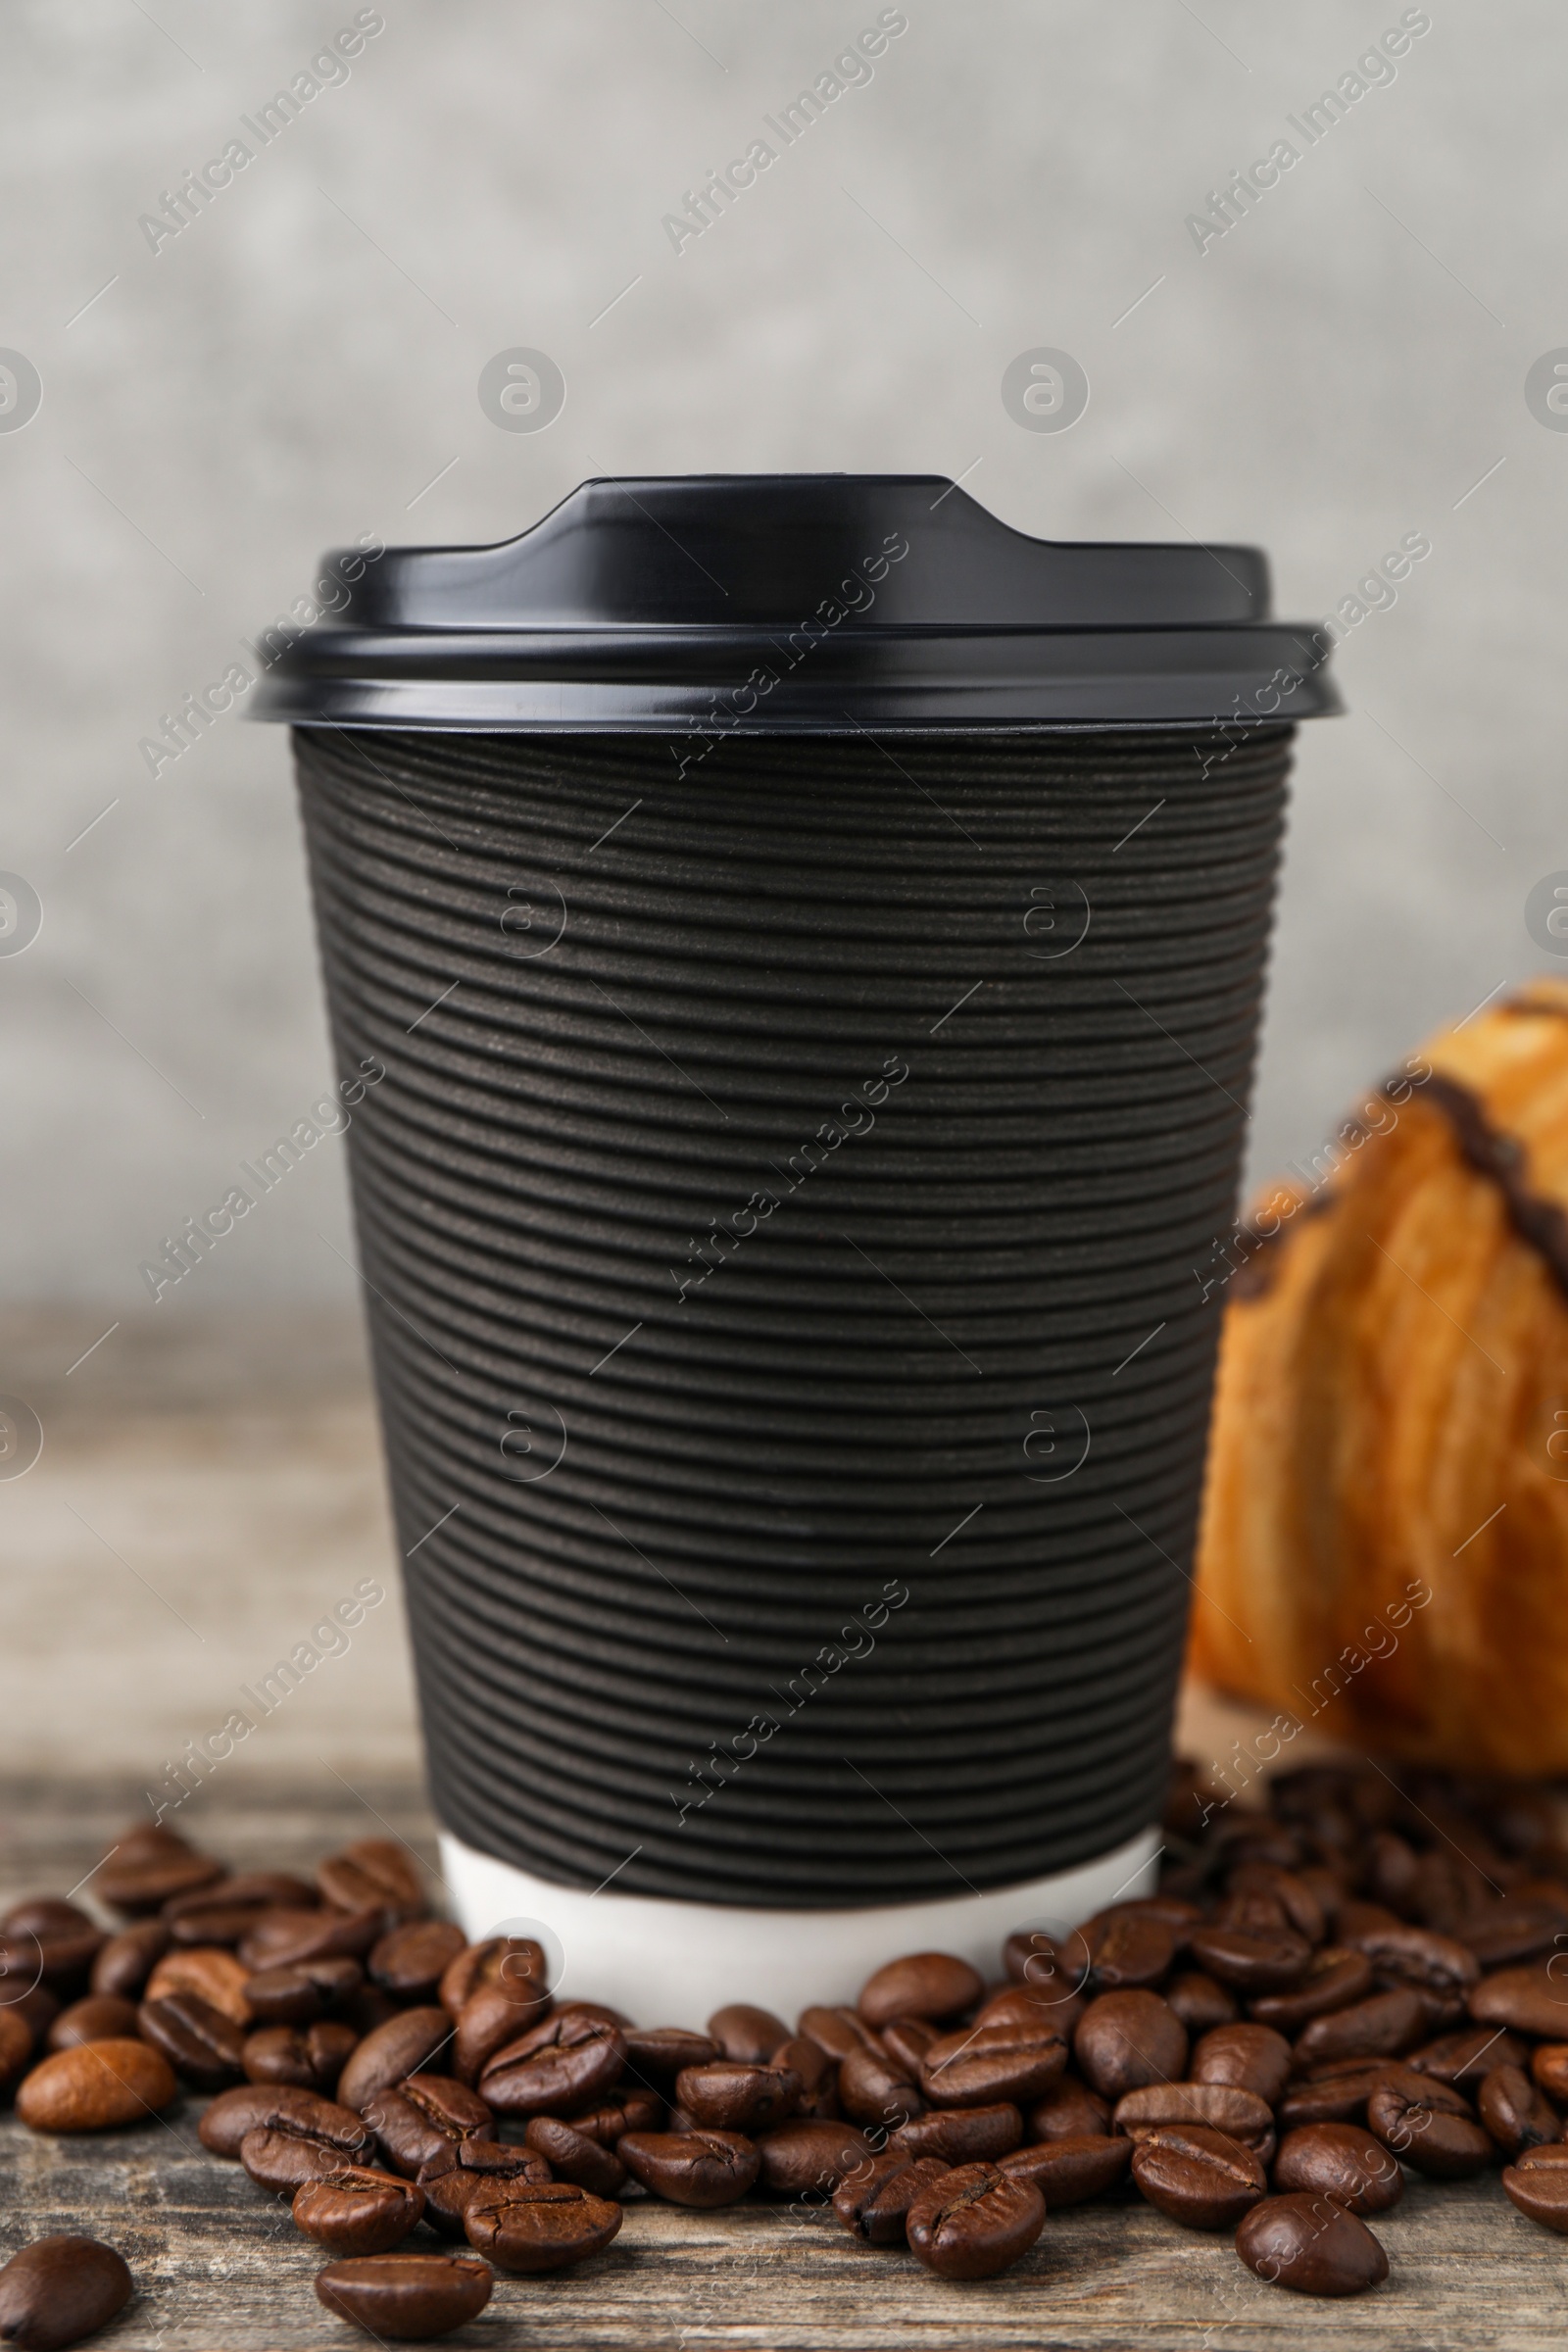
x=671 y=1963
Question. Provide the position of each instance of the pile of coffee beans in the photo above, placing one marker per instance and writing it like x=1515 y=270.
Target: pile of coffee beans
x=1368 y=1978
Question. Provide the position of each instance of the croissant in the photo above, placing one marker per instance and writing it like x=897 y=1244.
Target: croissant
x=1384 y=1543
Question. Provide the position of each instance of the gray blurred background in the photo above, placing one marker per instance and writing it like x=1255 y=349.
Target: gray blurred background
x=299 y=366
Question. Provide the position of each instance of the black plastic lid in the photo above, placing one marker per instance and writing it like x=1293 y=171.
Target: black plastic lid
x=797 y=604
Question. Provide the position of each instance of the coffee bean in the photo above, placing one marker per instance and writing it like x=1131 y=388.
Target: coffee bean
x=1424 y=2132
x=140 y=1883
x=1341 y=2161
x=298 y=1996
x=1464 y=2060
x=1334 y=1978
x=595 y=2010
x=358 y=2210
x=974 y=2222
x=549 y=2226
x=96 y=2088
x=1337 y=2097
x=1127 y=1949
x=312 y=2056
x=1516 y=2112
x=1218 y=2106
x=730 y=2097
x=449 y=2106
x=98 y=2017
x=22 y=1981
x=152 y=1841
x=1442 y=2013
x=746 y=2035
x=59 y=2289
x=1057 y=1985
x=1201 y=2177
x=249 y=1890
x=1125 y=2039
x=836 y=2032
x=494 y=2014
x=1420 y=1957
x=627 y=2110
x=1035 y=2006
x=62 y=1942
x=1312 y=2245
x=125 y=1963
x=906 y=2040
x=573 y=2156
x=978 y=2065
x=568 y=2060
x=516 y=1960
x=282 y=2158
x=16 y=2046
x=812 y=2069
x=1257 y=1839
x=374 y=1874
x=414 y=2120
x=1201 y=2004
x=961 y=2134
x=1393 y=1867
x=30 y=2016
x=1058 y=1965
x=1295 y=1898
x=22 y=1992
x=411 y=1961
x=875 y=2090
x=280 y=2107
x=212 y=1975
x=1529 y=1998
x=226 y=1910
x=198 y=2040
x=1252 y=2057
x=662 y=2050
x=1173 y=1909
x=1250 y=1962
x=406 y=2295
x=802 y=2156
x=1068 y=2111
x=294 y=1938
x=873 y=2200
x=934 y=1986
x=1548 y=2063
x=405 y=2045
x=1512 y=1930
x=1068 y=2171
x=460 y=2173
x=1538 y=2183
x=692 y=2168
x=1380 y=2026
x=1252 y=1911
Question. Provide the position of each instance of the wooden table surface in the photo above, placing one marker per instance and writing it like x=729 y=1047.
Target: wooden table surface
x=219 y=2266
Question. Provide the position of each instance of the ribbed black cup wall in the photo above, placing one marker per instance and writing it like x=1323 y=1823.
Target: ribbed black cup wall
x=612 y=1006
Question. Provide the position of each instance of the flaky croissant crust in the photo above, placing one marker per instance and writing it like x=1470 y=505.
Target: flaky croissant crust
x=1383 y=1545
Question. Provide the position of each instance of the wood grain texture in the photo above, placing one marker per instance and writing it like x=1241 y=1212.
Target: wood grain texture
x=219 y=2268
